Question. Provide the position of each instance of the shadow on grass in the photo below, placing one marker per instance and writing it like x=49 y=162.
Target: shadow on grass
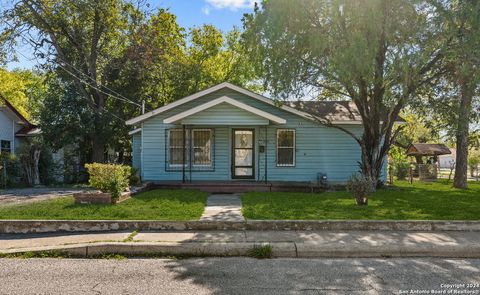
x=151 y=205
x=419 y=201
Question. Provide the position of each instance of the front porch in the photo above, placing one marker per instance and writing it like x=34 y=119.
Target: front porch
x=240 y=186
x=221 y=140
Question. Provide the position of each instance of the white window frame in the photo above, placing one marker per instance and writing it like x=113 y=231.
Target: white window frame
x=181 y=146
x=193 y=148
x=294 y=148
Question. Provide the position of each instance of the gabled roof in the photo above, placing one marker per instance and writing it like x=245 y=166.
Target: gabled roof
x=20 y=117
x=427 y=149
x=228 y=100
x=330 y=110
x=29 y=129
x=194 y=96
x=337 y=112
x=334 y=111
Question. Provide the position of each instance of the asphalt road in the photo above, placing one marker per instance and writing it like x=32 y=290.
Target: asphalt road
x=238 y=276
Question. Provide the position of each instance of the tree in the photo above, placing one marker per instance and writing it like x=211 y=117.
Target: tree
x=78 y=38
x=378 y=53
x=23 y=89
x=473 y=161
x=416 y=129
x=460 y=22
x=29 y=156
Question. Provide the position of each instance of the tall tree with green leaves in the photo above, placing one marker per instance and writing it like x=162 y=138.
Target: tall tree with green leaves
x=459 y=21
x=79 y=39
x=377 y=53
x=24 y=89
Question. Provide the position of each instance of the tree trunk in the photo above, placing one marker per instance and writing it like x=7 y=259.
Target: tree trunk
x=35 y=171
x=98 y=150
x=98 y=141
x=461 y=161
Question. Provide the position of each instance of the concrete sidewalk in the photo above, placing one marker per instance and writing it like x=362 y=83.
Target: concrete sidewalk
x=240 y=243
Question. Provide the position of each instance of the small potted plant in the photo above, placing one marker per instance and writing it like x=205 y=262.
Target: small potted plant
x=110 y=179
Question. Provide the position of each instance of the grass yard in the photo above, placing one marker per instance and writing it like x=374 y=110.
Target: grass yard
x=150 y=205
x=420 y=201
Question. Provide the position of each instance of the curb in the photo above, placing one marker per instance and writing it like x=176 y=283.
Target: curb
x=46 y=226
x=279 y=249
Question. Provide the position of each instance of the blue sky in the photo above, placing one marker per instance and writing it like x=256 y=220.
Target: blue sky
x=224 y=14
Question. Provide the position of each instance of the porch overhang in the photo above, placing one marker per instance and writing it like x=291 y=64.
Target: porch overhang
x=216 y=112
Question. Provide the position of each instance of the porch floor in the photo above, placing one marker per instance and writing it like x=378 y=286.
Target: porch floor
x=240 y=186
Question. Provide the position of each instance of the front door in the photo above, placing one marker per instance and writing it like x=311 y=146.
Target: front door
x=243 y=153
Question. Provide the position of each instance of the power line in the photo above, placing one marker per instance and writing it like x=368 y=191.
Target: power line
x=103 y=110
x=122 y=98
x=79 y=71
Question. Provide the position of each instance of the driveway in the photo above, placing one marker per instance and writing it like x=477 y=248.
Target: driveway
x=28 y=195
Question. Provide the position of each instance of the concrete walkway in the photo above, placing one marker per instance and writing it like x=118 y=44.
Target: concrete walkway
x=223 y=207
x=240 y=243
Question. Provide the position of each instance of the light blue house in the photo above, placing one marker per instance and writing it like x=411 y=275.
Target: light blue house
x=227 y=133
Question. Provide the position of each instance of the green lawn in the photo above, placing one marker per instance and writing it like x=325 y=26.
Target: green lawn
x=151 y=205
x=419 y=201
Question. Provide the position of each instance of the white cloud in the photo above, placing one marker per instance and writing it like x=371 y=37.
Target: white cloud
x=206 y=10
x=231 y=4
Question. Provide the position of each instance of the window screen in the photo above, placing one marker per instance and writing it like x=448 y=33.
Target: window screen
x=285 y=147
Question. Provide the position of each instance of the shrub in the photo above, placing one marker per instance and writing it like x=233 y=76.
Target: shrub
x=473 y=162
x=401 y=170
x=10 y=172
x=361 y=187
x=109 y=178
x=134 y=178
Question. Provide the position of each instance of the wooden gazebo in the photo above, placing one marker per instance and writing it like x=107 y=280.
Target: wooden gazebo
x=427 y=149
x=427 y=172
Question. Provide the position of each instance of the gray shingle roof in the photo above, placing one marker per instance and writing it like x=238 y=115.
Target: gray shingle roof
x=330 y=110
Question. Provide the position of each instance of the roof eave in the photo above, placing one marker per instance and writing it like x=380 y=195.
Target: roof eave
x=189 y=98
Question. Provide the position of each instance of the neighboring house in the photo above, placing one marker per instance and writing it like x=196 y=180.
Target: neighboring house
x=448 y=161
x=14 y=128
x=229 y=133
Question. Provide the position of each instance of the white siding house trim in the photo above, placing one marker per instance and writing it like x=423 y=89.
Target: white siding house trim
x=228 y=100
x=134 y=131
x=172 y=105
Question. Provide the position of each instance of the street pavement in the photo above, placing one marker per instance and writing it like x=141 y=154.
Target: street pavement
x=239 y=276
